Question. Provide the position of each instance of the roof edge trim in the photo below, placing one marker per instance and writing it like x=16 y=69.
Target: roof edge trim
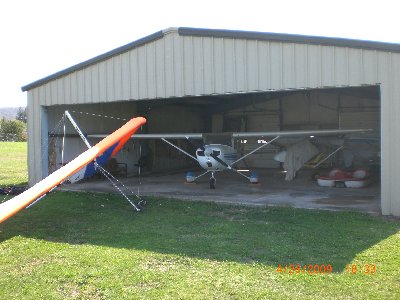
x=290 y=38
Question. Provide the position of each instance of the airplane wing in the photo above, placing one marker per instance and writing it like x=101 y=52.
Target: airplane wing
x=326 y=132
x=108 y=146
x=150 y=136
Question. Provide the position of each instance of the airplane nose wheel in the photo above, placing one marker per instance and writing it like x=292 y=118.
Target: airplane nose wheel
x=213 y=181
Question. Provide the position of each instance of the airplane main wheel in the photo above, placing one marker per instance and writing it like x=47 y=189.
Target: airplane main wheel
x=213 y=181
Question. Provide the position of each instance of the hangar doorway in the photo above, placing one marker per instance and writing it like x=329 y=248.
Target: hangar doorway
x=290 y=110
x=293 y=110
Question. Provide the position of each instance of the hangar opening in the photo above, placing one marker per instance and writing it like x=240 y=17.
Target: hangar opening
x=272 y=111
x=317 y=109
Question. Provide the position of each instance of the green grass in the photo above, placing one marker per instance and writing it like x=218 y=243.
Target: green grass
x=93 y=246
x=13 y=163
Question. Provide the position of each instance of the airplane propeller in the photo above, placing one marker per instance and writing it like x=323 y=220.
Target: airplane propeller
x=215 y=156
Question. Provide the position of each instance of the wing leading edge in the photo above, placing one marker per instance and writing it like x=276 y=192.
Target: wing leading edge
x=326 y=132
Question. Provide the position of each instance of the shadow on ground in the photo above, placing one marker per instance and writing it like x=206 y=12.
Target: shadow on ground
x=266 y=235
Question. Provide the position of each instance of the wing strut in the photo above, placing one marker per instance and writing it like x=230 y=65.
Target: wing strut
x=84 y=139
x=251 y=152
x=179 y=149
x=106 y=174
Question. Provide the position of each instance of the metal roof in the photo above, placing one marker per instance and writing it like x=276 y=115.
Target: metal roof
x=222 y=33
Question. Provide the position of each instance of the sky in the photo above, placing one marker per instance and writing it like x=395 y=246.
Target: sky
x=41 y=37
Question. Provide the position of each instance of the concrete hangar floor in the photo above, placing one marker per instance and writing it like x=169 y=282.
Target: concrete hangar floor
x=272 y=190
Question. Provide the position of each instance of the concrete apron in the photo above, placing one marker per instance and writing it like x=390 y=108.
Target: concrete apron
x=231 y=188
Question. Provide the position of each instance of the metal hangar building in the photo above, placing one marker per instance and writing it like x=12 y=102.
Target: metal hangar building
x=208 y=80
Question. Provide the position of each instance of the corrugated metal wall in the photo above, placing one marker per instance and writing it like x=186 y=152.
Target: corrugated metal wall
x=177 y=66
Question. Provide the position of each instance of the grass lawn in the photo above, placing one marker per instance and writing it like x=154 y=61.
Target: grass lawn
x=93 y=246
x=13 y=163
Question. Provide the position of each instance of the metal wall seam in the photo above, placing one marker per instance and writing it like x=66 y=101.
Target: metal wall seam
x=32 y=96
x=50 y=91
x=169 y=65
x=178 y=63
x=87 y=86
x=252 y=82
x=102 y=71
x=240 y=63
x=264 y=78
x=229 y=65
x=300 y=65
x=60 y=91
x=218 y=63
x=314 y=63
x=110 y=80
x=117 y=78
x=134 y=74
x=209 y=67
x=198 y=63
x=66 y=81
x=95 y=83
x=80 y=82
x=355 y=66
x=370 y=66
x=37 y=136
x=288 y=65
x=327 y=65
x=160 y=68
x=45 y=90
x=275 y=66
x=187 y=65
x=389 y=163
x=394 y=132
x=125 y=76
x=151 y=71
x=142 y=73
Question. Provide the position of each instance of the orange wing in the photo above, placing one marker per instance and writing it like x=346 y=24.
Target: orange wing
x=117 y=139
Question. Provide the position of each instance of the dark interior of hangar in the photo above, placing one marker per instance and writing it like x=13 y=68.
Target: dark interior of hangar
x=336 y=108
x=291 y=110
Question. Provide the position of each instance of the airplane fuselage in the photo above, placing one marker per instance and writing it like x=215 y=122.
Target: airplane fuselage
x=216 y=157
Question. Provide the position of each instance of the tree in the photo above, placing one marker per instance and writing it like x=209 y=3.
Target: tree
x=21 y=114
x=12 y=130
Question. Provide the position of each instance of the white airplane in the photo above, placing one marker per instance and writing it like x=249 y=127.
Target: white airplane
x=220 y=157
